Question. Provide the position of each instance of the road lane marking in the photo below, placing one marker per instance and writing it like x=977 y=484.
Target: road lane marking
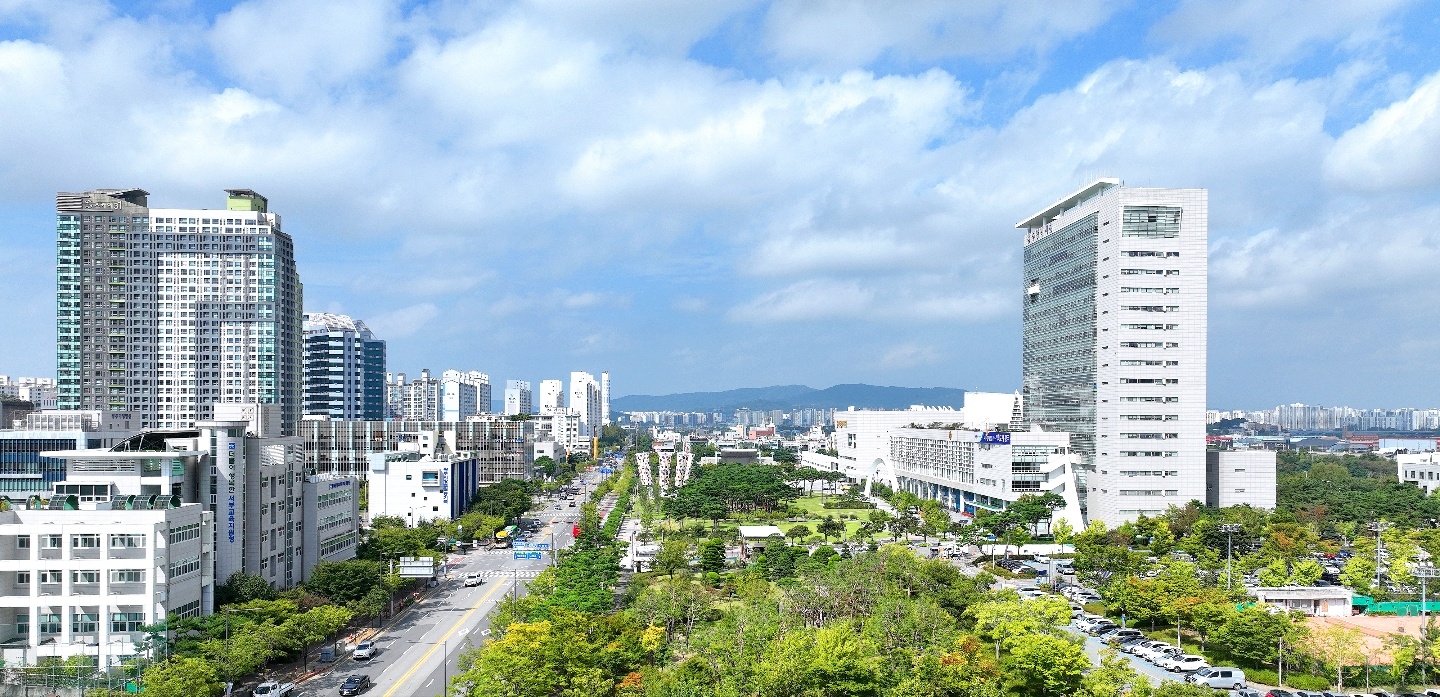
x=436 y=645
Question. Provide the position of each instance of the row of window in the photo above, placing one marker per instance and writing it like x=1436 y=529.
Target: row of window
x=1149 y=453
x=184 y=567
x=1150 y=417
x=1150 y=253
x=1150 y=344
x=117 y=540
x=1150 y=436
x=1149 y=473
x=336 y=544
x=185 y=533
x=1149 y=272
x=1149 y=381
x=1164 y=364
x=1161 y=291
x=1149 y=492
x=1162 y=327
x=1151 y=308
x=87 y=622
x=1151 y=400
x=83 y=576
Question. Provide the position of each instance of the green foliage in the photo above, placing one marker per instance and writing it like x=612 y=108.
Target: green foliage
x=1170 y=688
x=1044 y=664
x=570 y=654
x=1254 y=634
x=1116 y=677
x=508 y=499
x=712 y=555
x=721 y=489
x=1301 y=681
x=182 y=677
x=346 y=581
x=613 y=436
x=243 y=588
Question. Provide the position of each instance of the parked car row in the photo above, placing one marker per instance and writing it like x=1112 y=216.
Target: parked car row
x=1015 y=566
x=1163 y=655
x=1079 y=594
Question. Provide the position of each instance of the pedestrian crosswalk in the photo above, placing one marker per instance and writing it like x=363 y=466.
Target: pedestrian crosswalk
x=510 y=573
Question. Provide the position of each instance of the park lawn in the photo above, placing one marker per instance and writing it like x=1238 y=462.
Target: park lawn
x=815 y=506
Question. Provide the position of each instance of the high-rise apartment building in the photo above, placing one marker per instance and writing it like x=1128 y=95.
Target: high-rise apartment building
x=585 y=400
x=552 y=396
x=344 y=368
x=1114 y=341
x=163 y=313
x=605 y=398
x=463 y=394
x=517 y=397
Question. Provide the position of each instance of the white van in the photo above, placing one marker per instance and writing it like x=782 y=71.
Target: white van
x=1218 y=677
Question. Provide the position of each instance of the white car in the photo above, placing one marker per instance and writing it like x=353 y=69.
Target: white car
x=1155 y=651
x=1219 y=677
x=364 y=651
x=474 y=579
x=1183 y=663
x=271 y=688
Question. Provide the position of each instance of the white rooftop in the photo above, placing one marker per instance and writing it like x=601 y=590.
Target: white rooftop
x=759 y=531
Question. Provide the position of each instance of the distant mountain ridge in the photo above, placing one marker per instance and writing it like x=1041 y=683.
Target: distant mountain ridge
x=787 y=397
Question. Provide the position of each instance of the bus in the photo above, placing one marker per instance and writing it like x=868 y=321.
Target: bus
x=505 y=537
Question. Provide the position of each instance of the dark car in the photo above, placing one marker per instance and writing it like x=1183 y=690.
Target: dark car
x=355 y=684
x=1279 y=693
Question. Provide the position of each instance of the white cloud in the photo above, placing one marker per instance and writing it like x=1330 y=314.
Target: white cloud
x=820 y=299
x=1397 y=147
x=293 y=46
x=555 y=301
x=909 y=355
x=1278 y=29
x=856 y=32
x=404 y=322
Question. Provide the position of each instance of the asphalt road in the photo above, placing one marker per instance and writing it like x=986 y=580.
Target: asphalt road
x=420 y=650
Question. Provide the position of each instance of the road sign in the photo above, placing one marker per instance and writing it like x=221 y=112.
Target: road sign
x=542 y=545
x=528 y=555
x=417 y=567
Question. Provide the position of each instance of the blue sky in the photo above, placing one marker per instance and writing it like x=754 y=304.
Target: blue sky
x=738 y=193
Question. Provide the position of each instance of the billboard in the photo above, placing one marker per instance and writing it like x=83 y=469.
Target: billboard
x=529 y=554
x=996 y=437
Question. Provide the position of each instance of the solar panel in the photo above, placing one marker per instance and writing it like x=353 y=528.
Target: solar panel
x=57 y=503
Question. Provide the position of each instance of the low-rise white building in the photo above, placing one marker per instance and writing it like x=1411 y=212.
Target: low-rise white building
x=84 y=578
x=973 y=471
x=1316 y=601
x=1421 y=469
x=419 y=486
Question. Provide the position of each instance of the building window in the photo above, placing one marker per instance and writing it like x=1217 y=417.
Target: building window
x=127 y=541
x=127 y=621
x=22 y=623
x=52 y=541
x=85 y=541
x=185 y=533
x=52 y=576
x=49 y=624
x=184 y=567
x=22 y=542
x=22 y=578
x=90 y=576
x=190 y=609
x=127 y=576
x=85 y=623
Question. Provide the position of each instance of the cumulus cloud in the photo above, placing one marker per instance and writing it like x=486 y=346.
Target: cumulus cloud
x=856 y=32
x=404 y=322
x=537 y=164
x=1397 y=147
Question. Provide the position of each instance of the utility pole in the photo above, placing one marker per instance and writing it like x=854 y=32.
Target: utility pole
x=1427 y=571
x=1230 y=529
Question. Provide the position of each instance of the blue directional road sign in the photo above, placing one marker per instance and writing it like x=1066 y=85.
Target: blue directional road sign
x=528 y=555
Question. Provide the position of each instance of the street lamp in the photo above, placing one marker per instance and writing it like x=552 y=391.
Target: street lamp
x=1378 y=527
x=1230 y=529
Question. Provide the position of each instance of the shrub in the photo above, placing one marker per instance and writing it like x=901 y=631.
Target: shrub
x=1301 y=681
x=1262 y=676
x=1094 y=608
